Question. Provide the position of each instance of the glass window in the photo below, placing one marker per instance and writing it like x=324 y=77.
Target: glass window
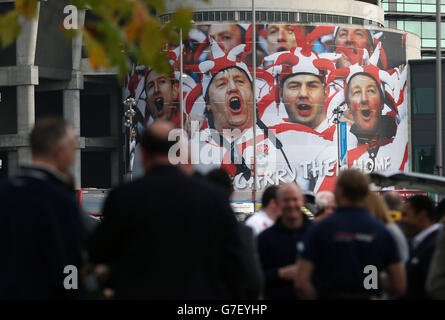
x=230 y=15
x=316 y=17
x=212 y=16
x=412 y=7
x=197 y=16
x=413 y=26
x=292 y=17
x=277 y=16
x=385 y=6
x=257 y=15
x=400 y=25
x=248 y=15
x=400 y=7
x=217 y=16
x=263 y=15
x=303 y=17
x=343 y=19
x=223 y=15
x=428 y=43
x=424 y=158
x=428 y=29
x=285 y=16
x=423 y=100
x=242 y=15
x=205 y=16
x=324 y=18
x=429 y=8
x=386 y=24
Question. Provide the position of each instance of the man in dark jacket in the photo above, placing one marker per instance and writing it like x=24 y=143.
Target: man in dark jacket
x=40 y=221
x=419 y=224
x=278 y=245
x=169 y=235
x=254 y=276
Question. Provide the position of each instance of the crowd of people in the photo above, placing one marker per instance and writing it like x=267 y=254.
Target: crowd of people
x=173 y=235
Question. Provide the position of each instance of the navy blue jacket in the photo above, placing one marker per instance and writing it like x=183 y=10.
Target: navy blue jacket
x=170 y=236
x=40 y=234
x=341 y=246
x=278 y=247
x=418 y=265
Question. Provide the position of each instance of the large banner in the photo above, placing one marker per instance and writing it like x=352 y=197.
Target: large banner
x=327 y=98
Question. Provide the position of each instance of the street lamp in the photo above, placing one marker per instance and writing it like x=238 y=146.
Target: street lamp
x=129 y=113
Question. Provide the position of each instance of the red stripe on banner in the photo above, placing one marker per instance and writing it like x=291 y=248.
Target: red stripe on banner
x=356 y=153
x=328 y=183
x=328 y=134
x=283 y=127
x=405 y=158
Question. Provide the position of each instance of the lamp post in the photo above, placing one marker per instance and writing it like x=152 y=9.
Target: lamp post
x=129 y=113
x=254 y=103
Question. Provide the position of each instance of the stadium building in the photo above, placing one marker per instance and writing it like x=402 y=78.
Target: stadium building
x=43 y=74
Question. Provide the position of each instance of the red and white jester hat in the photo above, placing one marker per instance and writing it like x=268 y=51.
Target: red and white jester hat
x=375 y=38
x=209 y=68
x=302 y=59
x=389 y=82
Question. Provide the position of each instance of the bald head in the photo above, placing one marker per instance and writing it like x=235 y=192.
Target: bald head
x=290 y=200
x=155 y=139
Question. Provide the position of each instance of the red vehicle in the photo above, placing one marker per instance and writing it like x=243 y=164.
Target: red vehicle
x=92 y=200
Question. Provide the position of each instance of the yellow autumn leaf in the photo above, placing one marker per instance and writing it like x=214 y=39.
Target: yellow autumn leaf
x=27 y=8
x=96 y=53
x=9 y=28
x=138 y=20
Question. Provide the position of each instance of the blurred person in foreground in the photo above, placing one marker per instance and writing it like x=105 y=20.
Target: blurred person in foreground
x=254 y=276
x=325 y=205
x=338 y=248
x=394 y=202
x=41 y=226
x=269 y=213
x=169 y=235
x=278 y=245
x=418 y=215
x=436 y=274
x=376 y=206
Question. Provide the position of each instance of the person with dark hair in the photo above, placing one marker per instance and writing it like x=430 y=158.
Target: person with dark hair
x=338 y=249
x=227 y=35
x=418 y=214
x=269 y=213
x=254 y=276
x=440 y=211
x=162 y=96
x=159 y=248
x=41 y=226
x=278 y=245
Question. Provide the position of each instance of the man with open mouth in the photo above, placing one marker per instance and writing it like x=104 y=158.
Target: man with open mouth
x=229 y=100
x=303 y=95
x=162 y=96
